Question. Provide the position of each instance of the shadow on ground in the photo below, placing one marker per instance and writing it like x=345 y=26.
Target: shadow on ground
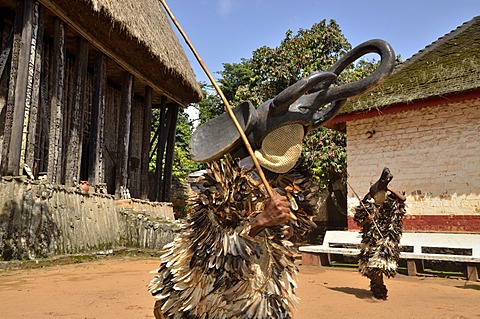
x=359 y=293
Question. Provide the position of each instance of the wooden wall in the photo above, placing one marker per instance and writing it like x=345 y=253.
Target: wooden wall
x=66 y=117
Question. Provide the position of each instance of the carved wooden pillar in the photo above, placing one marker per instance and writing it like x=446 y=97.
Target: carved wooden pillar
x=96 y=173
x=147 y=126
x=169 y=152
x=43 y=129
x=121 y=176
x=56 y=104
x=160 y=149
x=6 y=44
x=32 y=146
x=10 y=35
x=74 y=150
x=6 y=40
x=17 y=96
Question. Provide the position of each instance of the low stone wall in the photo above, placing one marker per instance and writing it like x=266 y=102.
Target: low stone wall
x=39 y=220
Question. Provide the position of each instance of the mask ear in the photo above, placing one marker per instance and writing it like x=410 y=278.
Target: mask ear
x=284 y=99
x=326 y=114
x=220 y=136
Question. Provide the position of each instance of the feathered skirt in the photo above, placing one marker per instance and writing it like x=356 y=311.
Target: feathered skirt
x=214 y=269
x=379 y=250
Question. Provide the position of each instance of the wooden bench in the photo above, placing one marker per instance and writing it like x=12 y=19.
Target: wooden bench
x=417 y=247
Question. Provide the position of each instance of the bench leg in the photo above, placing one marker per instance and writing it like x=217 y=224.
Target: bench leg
x=324 y=259
x=310 y=259
x=472 y=271
x=414 y=266
x=314 y=259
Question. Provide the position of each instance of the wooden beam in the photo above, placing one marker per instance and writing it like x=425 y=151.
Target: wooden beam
x=21 y=87
x=56 y=104
x=121 y=176
x=32 y=145
x=169 y=152
x=44 y=109
x=97 y=127
x=75 y=142
x=7 y=49
x=147 y=129
x=162 y=126
x=7 y=133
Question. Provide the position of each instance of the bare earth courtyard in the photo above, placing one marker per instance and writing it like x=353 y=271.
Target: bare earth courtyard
x=116 y=288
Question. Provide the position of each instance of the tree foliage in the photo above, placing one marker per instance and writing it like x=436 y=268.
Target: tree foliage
x=297 y=56
x=211 y=105
x=235 y=75
x=325 y=152
x=182 y=162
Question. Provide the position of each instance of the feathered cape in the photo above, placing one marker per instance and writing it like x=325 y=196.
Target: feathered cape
x=214 y=269
x=379 y=251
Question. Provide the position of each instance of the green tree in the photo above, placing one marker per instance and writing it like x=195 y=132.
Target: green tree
x=183 y=164
x=270 y=70
x=325 y=152
x=297 y=56
x=234 y=76
x=211 y=105
x=182 y=161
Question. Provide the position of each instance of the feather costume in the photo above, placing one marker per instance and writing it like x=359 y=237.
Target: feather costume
x=214 y=269
x=380 y=238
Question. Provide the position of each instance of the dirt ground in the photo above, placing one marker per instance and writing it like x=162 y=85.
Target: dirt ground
x=116 y=288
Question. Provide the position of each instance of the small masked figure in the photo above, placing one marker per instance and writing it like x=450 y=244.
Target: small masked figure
x=380 y=215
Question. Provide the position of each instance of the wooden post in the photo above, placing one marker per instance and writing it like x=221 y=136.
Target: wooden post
x=44 y=110
x=27 y=120
x=56 y=104
x=137 y=131
x=95 y=171
x=157 y=184
x=6 y=50
x=6 y=46
x=12 y=90
x=32 y=146
x=67 y=114
x=23 y=92
x=121 y=176
x=74 y=150
x=169 y=152
x=147 y=129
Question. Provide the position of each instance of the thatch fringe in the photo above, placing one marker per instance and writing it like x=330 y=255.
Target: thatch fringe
x=146 y=22
x=139 y=34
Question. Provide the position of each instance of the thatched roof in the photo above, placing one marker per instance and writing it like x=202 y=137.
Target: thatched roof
x=136 y=34
x=451 y=64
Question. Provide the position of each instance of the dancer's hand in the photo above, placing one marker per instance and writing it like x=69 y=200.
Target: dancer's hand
x=276 y=212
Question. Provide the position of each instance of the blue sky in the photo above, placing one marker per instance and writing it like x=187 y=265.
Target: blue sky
x=224 y=31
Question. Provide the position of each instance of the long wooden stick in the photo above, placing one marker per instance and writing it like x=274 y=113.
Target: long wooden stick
x=224 y=99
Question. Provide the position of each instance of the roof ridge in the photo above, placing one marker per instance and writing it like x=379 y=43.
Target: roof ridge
x=435 y=44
